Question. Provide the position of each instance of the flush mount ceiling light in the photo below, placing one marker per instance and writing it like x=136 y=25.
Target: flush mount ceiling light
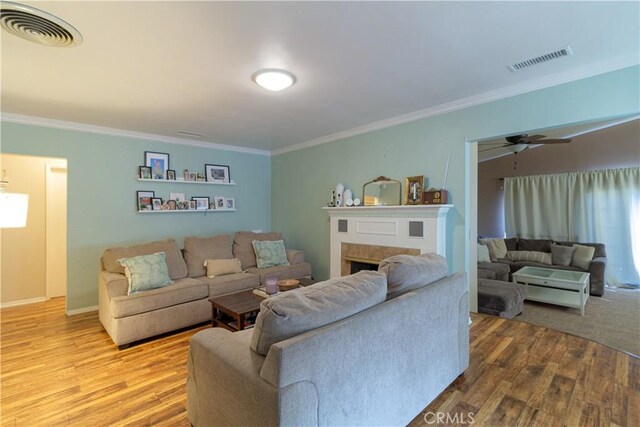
x=273 y=79
x=37 y=26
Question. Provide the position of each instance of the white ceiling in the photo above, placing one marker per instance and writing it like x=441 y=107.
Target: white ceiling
x=161 y=67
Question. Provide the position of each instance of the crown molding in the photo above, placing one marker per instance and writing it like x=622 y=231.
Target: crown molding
x=81 y=127
x=483 y=98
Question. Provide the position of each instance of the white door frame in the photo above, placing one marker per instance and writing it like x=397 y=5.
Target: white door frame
x=50 y=289
x=471 y=226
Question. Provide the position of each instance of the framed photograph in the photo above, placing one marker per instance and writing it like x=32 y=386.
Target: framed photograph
x=183 y=206
x=200 y=177
x=156 y=204
x=212 y=205
x=186 y=174
x=414 y=189
x=145 y=172
x=193 y=176
x=171 y=175
x=158 y=162
x=220 y=202
x=178 y=197
x=192 y=205
x=217 y=173
x=172 y=205
x=202 y=203
x=144 y=198
x=230 y=203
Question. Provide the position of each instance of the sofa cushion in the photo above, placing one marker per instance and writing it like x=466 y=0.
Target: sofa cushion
x=483 y=253
x=230 y=283
x=146 y=272
x=175 y=262
x=600 y=251
x=182 y=291
x=582 y=256
x=562 y=255
x=537 y=245
x=294 y=271
x=199 y=249
x=243 y=248
x=269 y=253
x=501 y=270
x=534 y=256
x=511 y=243
x=486 y=274
x=222 y=267
x=292 y=313
x=497 y=247
x=407 y=272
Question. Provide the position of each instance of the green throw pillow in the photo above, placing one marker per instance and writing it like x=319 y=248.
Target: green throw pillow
x=146 y=272
x=270 y=253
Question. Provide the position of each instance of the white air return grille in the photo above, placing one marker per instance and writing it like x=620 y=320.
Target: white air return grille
x=37 y=26
x=565 y=51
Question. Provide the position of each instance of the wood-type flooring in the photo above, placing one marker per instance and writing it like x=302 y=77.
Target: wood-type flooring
x=59 y=370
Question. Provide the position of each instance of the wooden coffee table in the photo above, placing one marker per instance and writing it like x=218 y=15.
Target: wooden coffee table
x=231 y=311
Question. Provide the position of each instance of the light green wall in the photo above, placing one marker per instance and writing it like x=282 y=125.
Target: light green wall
x=102 y=192
x=302 y=179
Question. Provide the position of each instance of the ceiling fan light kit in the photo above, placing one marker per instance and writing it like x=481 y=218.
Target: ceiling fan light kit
x=273 y=79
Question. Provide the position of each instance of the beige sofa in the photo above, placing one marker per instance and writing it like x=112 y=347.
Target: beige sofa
x=129 y=318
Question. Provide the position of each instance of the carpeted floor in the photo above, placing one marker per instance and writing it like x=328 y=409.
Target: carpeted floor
x=612 y=319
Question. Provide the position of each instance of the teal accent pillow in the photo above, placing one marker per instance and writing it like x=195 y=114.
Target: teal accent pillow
x=270 y=253
x=146 y=272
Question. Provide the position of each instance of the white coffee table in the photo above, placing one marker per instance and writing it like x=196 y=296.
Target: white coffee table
x=560 y=287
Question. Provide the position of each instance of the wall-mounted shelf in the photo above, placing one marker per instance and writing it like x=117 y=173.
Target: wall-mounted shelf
x=188 y=211
x=171 y=181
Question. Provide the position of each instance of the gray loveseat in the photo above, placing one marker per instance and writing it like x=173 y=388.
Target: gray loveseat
x=379 y=366
x=502 y=269
x=129 y=318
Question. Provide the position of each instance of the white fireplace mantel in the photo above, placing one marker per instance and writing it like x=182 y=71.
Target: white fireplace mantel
x=421 y=227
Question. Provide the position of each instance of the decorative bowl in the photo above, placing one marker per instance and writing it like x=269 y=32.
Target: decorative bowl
x=287 y=284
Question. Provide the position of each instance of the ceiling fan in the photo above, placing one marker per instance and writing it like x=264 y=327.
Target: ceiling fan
x=517 y=143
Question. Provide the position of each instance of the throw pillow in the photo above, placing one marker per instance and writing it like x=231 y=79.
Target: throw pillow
x=530 y=256
x=483 y=253
x=145 y=272
x=562 y=255
x=270 y=253
x=220 y=267
x=408 y=272
x=292 y=313
x=582 y=256
x=497 y=248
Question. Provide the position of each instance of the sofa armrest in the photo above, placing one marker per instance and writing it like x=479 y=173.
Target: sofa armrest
x=295 y=257
x=597 y=278
x=116 y=284
x=224 y=386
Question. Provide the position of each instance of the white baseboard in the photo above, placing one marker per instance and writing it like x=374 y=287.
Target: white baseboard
x=23 y=302
x=82 y=310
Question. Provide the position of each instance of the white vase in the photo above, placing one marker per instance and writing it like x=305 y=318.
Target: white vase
x=339 y=191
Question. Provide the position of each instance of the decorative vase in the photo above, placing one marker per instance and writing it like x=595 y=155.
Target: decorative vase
x=339 y=191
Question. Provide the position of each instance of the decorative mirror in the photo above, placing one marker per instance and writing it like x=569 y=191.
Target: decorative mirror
x=382 y=191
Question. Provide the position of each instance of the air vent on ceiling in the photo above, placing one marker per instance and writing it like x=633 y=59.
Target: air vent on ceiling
x=37 y=26
x=565 y=51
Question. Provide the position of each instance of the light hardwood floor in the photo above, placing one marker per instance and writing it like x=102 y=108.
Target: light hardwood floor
x=58 y=370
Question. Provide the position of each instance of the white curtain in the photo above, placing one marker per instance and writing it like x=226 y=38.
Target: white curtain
x=593 y=206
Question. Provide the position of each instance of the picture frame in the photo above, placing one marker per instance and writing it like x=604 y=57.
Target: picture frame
x=414 y=190
x=230 y=203
x=220 y=202
x=144 y=172
x=172 y=205
x=186 y=174
x=202 y=203
x=158 y=162
x=171 y=175
x=212 y=205
x=192 y=205
x=200 y=177
x=178 y=197
x=156 y=204
x=193 y=176
x=144 y=200
x=217 y=173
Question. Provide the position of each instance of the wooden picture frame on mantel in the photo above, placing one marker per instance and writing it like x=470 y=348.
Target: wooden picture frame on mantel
x=414 y=190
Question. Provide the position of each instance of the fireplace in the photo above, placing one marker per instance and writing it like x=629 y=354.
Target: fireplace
x=367 y=235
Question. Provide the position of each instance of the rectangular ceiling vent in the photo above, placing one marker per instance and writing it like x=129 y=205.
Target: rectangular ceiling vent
x=565 y=51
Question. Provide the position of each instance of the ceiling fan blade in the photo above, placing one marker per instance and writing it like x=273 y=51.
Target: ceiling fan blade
x=492 y=148
x=553 y=141
x=532 y=138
